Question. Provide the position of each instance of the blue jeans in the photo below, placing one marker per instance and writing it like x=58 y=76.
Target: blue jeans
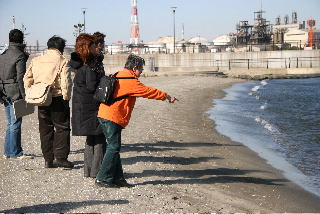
x=12 y=144
x=111 y=167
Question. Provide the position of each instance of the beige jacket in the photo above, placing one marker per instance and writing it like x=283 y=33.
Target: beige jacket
x=44 y=68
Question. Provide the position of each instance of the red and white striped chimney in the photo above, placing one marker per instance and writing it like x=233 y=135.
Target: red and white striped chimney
x=134 y=35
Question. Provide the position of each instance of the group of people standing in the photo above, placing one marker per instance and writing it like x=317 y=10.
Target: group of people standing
x=100 y=123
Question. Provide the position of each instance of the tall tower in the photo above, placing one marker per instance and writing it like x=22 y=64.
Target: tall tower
x=134 y=34
x=311 y=24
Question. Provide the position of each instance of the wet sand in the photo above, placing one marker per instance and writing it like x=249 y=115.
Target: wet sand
x=172 y=153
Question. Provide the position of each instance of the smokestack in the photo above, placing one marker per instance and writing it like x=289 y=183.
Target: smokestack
x=134 y=35
x=294 y=17
x=278 y=20
x=13 y=22
x=286 y=19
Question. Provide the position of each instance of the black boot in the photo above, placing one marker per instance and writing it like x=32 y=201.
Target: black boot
x=123 y=183
x=48 y=164
x=63 y=163
x=105 y=184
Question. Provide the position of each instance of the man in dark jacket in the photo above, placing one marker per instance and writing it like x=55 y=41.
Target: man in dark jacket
x=12 y=69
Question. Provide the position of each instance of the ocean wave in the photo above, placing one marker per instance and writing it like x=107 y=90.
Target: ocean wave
x=266 y=125
x=271 y=125
x=255 y=88
x=263 y=106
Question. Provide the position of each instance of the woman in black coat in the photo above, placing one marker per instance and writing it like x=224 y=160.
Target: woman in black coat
x=84 y=106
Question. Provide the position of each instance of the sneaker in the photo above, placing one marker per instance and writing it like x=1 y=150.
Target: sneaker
x=63 y=163
x=5 y=157
x=22 y=157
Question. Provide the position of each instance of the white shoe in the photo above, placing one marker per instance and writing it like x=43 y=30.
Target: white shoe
x=22 y=157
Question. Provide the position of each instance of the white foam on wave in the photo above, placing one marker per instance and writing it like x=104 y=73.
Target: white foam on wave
x=257 y=97
x=264 y=82
x=271 y=128
x=266 y=151
x=255 y=88
x=263 y=107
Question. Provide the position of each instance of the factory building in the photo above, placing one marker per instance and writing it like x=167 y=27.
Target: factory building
x=295 y=34
x=289 y=33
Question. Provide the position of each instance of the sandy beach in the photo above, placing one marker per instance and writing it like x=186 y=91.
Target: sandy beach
x=172 y=153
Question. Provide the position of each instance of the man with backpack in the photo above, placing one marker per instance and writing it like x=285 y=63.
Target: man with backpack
x=114 y=117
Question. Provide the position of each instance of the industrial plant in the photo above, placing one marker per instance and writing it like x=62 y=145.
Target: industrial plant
x=287 y=33
x=261 y=35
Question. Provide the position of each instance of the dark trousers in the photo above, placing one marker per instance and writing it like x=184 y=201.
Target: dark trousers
x=111 y=167
x=94 y=151
x=54 y=128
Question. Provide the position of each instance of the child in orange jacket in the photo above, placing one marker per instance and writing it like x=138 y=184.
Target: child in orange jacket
x=115 y=117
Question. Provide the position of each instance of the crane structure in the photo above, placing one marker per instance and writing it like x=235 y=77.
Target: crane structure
x=258 y=33
x=134 y=32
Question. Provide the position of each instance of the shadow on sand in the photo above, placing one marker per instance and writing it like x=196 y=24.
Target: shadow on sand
x=168 y=146
x=61 y=207
x=166 y=160
x=219 y=175
x=203 y=176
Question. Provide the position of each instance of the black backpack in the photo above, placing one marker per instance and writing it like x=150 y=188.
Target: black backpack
x=105 y=89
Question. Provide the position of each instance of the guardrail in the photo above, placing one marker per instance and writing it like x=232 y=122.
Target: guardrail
x=156 y=63
x=268 y=63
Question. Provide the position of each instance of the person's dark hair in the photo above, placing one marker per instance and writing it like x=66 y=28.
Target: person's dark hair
x=16 y=36
x=57 y=43
x=98 y=37
x=134 y=61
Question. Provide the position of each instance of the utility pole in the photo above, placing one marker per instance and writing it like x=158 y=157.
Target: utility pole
x=24 y=29
x=174 y=28
x=84 y=19
x=182 y=33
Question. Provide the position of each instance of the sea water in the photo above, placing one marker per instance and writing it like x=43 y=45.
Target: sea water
x=279 y=120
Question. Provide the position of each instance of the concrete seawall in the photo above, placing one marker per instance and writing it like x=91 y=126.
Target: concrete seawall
x=256 y=65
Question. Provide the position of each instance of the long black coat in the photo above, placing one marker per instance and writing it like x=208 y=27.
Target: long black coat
x=84 y=107
x=12 y=69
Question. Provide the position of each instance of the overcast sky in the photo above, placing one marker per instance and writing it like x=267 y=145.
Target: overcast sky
x=207 y=18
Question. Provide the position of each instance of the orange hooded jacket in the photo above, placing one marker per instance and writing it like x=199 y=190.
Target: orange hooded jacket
x=120 y=111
